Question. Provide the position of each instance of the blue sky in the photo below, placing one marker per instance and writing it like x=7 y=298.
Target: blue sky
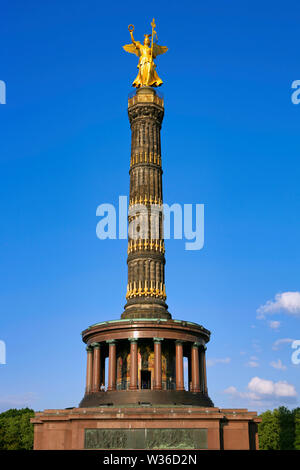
x=230 y=140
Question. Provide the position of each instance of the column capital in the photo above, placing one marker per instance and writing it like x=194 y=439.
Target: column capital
x=95 y=345
x=133 y=340
x=196 y=344
x=179 y=341
x=89 y=349
x=157 y=340
x=111 y=341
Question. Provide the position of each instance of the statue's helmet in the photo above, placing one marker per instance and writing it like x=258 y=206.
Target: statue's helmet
x=147 y=39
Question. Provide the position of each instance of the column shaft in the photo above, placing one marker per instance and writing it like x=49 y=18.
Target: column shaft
x=133 y=364
x=102 y=368
x=89 y=370
x=145 y=189
x=195 y=368
x=157 y=364
x=189 y=372
x=179 y=366
x=119 y=373
x=96 y=367
x=112 y=366
x=204 y=372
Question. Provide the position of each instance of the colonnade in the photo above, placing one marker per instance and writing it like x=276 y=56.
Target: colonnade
x=95 y=366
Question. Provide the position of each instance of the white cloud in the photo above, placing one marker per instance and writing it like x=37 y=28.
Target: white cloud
x=267 y=387
x=287 y=302
x=279 y=342
x=252 y=363
x=213 y=362
x=278 y=365
x=265 y=390
x=231 y=390
x=261 y=386
x=274 y=324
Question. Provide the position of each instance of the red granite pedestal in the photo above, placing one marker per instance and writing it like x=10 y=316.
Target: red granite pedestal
x=126 y=427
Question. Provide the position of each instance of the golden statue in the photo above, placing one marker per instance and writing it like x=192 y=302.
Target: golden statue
x=147 y=75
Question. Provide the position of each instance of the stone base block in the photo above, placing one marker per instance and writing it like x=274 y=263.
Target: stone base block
x=142 y=397
x=140 y=427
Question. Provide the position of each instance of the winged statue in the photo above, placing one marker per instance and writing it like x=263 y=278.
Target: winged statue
x=146 y=52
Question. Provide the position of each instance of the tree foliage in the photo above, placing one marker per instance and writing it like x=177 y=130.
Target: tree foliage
x=268 y=431
x=16 y=431
x=279 y=429
x=297 y=429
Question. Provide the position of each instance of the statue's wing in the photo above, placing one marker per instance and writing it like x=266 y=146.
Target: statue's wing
x=131 y=49
x=157 y=50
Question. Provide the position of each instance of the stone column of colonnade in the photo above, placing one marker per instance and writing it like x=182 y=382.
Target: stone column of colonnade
x=112 y=366
x=95 y=366
x=157 y=383
x=146 y=292
x=195 y=367
x=89 y=370
x=198 y=368
x=203 y=378
x=133 y=364
x=179 y=365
